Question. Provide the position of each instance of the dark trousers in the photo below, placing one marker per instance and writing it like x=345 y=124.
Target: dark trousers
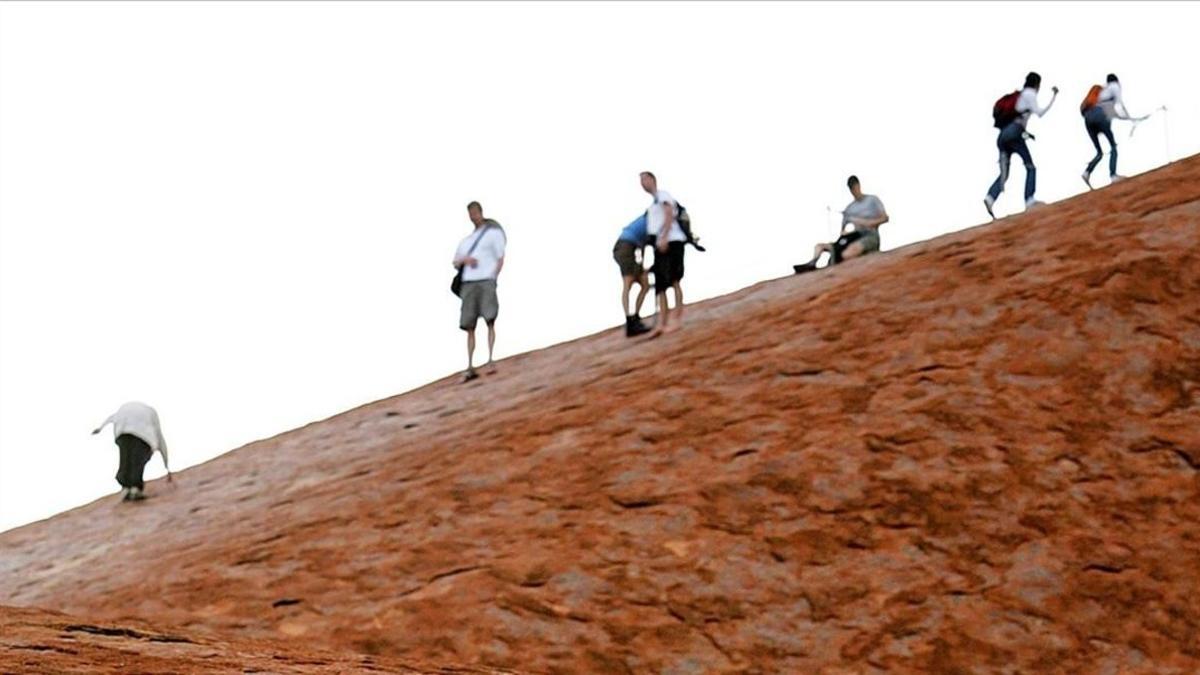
x=134 y=455
x=1012 y=141
x=1097 y=123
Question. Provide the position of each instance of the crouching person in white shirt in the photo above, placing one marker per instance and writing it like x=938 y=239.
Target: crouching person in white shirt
x=138 y=435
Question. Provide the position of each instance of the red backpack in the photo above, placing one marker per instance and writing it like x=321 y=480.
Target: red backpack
x=1005 y=109
x=1091 y=100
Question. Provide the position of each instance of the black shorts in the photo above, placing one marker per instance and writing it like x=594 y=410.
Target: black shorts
x=668 y=267
x=843 y=243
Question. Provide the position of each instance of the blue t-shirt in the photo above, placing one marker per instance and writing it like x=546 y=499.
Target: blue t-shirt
x=635 y=232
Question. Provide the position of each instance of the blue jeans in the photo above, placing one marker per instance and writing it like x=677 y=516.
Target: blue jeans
x=1012 y=140
x=1097 y=123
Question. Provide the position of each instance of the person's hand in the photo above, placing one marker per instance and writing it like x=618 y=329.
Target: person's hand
x=1054 y=90
x=470 y=261
x=95 y=431
x=661 y=245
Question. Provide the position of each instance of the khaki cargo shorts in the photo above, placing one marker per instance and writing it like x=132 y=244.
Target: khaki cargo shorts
x=478 y=302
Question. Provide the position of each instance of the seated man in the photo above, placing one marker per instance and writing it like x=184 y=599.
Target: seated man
x=865 y=214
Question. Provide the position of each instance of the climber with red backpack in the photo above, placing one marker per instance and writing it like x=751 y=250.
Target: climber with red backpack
x=1101 y=105
x=1011 y=116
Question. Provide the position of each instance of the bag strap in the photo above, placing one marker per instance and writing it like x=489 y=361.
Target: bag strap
x=476 y=242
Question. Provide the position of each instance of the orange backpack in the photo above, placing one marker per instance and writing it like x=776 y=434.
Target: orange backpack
x=1091 y=100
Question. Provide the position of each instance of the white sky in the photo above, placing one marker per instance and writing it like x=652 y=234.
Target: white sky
x=243 y=213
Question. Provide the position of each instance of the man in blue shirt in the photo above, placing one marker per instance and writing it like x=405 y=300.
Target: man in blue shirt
x=628 y=254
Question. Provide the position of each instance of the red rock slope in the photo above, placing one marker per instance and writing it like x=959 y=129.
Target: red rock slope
x=36 y=641
x=976 y=454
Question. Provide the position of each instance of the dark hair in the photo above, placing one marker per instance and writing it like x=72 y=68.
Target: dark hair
x=1112 y=78
x=475 y=205
x=851 y=182
x=647 y=173
x=1033 y=80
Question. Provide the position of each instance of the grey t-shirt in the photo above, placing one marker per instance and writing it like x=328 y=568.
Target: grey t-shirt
x=869 y=207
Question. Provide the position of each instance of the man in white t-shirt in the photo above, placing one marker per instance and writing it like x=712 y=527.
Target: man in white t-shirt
x=480 y=256
x=138 y=435
x=663 y=228
x=1012 y=141
x=1097 y=120
x=860 y=229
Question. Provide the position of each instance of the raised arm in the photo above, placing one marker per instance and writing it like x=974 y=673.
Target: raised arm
x=106 y=423
x=1053 y=97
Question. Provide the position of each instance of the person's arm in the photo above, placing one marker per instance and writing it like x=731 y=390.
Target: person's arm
x=162 y=445
x=106 y=423
x=1053 y=97
x=873 y=223
x=1119 y=108
x=499 y=248
x=463 y=260
x=162 y=448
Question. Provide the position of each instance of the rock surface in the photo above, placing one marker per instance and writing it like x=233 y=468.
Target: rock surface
x=976 y=454
x=37 y=641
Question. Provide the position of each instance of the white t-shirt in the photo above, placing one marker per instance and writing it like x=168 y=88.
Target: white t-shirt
x=1110 y=98
x=868 y=208
x=487 y=253
x=655 y=217
x=1027 y=106
x=138 y=419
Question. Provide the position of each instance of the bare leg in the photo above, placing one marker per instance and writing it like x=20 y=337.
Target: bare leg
x=678 y=303
x=470 y=354
x=644 y=285
x=626 y=285
x=852 y=251
x=660 y=323
x=491 y=345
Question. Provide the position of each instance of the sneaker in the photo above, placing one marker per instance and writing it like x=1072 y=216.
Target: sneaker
x=1033 y=204
x=136 y=494
x=1117 y=178
x=987 y=204
x=636 y=328
x=1087 y=179
x=470 y=375
x=806 y=267
x=125 y=494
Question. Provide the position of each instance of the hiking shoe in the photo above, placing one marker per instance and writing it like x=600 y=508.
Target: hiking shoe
x=1087 y=179
x=987 y=204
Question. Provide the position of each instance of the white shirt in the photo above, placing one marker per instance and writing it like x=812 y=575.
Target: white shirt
x=138 y=419
x=869 y=207
x=655 y=217
x=487 y=254
x=1027 y=106
x=1110 y=98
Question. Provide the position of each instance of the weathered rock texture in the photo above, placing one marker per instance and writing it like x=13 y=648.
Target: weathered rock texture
x=37 y=641
x=975 y=454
